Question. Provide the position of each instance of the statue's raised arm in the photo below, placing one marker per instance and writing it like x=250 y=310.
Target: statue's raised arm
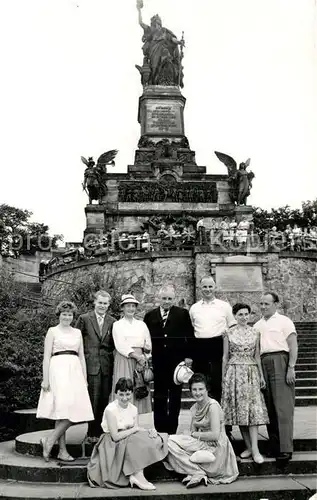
x=139 y=6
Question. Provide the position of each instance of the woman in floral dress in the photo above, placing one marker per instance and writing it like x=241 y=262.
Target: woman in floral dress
x=242 y=400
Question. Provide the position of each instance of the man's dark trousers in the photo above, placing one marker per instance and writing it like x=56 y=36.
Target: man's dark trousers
x=98 y=349
x=171 y=343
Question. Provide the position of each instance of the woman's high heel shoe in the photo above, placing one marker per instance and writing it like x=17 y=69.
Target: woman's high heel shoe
x=196 y=481
x=186 y=479
x=45 y=452
x=258 y=459
x=143 y=486
x=246 y=454
x=65 y=457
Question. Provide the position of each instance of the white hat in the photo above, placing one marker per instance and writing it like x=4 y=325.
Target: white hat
x=128 y=299
x=182 y=374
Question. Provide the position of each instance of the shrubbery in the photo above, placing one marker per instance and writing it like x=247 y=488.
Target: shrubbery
x=23 y=326
x=22 y=330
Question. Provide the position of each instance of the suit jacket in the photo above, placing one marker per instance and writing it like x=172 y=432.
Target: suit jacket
x=174 y=341
x=98 y=348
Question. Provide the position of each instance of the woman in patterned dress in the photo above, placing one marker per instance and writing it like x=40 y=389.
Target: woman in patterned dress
x=206 y=455
x=242 y=400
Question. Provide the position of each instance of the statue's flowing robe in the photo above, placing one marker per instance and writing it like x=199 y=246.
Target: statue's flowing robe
x=244 y=185
x=160 y=49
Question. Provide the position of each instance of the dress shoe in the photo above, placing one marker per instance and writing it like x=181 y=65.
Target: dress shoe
x=284 y=457
x=143 y=485
x=196 y=481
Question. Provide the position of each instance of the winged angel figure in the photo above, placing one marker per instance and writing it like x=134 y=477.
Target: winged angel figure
x=240 y=181
x=95 y=175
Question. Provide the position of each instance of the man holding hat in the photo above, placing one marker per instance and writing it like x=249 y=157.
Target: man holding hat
x=172 y=335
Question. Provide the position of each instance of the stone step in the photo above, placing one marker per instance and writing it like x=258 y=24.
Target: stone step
x=300 y=400
x=306 y=366
x=15 y=467
x=29 y=444
x=307 y=349
x=306 y=382
x=302 y=389
x=307 y=358
x=297 y=487
x=305 y=373
x=306 y=401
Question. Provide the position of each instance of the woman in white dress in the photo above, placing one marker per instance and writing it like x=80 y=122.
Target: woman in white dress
x=64 y=396
x=133 y=345
x=125 y=449
x=206 y=455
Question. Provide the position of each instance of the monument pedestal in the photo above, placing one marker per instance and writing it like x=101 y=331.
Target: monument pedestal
x=165 y=181
x=161 y=112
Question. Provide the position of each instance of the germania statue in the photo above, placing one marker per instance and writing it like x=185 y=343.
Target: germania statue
x=162 y=59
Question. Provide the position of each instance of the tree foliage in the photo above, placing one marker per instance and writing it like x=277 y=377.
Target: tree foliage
x=304 y=217
x=18 y=235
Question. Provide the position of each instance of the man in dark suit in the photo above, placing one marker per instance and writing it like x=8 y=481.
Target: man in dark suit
x=172 y=334
x=96 y=329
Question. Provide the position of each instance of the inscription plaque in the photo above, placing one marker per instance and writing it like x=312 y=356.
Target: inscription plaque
x=239 y=278
x=164 y=118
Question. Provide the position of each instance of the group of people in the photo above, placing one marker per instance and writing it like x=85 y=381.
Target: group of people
x=238 y=374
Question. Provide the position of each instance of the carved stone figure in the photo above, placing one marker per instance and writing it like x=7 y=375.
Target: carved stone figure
x=240 y=181
x=145 y=142
x=95 y=175
x=161 y=56
x=168 y=190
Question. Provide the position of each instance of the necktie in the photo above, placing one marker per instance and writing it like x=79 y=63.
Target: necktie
x=100 y=322
x=164 y=317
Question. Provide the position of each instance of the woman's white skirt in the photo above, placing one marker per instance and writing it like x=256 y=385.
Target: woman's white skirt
x=68 y=396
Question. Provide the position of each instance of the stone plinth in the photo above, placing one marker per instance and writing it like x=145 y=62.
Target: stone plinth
x=161 y=112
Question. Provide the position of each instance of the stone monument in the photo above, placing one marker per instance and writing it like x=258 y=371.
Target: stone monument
x=164 y=181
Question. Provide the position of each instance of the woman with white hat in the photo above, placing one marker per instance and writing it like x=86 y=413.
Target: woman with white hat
x=133 y=345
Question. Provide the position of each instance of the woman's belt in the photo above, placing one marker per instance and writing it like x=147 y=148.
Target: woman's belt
x=58 y=353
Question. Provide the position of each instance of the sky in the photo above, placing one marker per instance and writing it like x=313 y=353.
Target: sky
x=69 y=88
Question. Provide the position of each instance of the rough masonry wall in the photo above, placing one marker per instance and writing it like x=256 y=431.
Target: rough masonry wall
x=293 y=279
x=140 y=277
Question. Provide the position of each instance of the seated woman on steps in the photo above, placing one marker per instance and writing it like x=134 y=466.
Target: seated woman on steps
x=206 y=455
x=64 y=396
x=124 y=450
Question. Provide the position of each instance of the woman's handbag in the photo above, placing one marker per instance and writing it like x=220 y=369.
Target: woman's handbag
x=140 y=388
x=148 y=374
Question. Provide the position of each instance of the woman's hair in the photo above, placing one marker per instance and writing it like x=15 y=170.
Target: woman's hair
x=240 y=305
x=65 y=305
x=197 y=378
x=123 y=384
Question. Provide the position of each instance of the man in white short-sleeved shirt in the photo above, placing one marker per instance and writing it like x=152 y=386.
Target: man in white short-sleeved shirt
x=210 y=318
x=278 y=341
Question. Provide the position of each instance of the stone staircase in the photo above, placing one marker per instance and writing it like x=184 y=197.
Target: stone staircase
x=24 y=474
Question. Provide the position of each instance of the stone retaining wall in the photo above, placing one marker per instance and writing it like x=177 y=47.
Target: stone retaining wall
x=293 y=278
